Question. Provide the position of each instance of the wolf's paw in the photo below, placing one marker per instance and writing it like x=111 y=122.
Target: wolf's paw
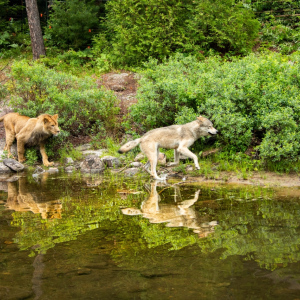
x=48 y=164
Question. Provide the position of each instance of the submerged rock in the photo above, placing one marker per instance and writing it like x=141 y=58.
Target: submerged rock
x=13 y=164
x=92 y=164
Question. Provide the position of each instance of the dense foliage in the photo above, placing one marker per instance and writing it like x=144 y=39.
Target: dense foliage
x=71 y=24
x=254 y=99
x=142 y=29
x=80 y=104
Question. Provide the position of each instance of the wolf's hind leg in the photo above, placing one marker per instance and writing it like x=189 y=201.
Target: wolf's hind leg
x=176 y=159
x=151 y=151
x=9 y=141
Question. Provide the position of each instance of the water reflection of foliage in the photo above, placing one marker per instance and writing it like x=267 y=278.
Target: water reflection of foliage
x=264 y=230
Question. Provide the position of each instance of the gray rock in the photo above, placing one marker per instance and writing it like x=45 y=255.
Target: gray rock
x=111 y=161
x=38 y=170
x=4 y=169
x=84 y=147
x=13 y=164
x=131 y=171
x=98 y=153
x=189 y=168
x=92 y=164
x=139 y=157
x=70 y=169
x=68 y=160
x=136 y=164
x=52 y=170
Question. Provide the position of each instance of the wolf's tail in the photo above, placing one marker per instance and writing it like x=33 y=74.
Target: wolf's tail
x=128 y=146
x=2 y=118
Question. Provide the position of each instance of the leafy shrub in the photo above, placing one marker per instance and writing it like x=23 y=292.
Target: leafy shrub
x=80 y=104
x=139 y=29
x=71 y=24
x=251 y=99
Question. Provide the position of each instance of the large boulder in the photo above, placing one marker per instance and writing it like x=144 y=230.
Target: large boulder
x=92 y=164
x=13 y=164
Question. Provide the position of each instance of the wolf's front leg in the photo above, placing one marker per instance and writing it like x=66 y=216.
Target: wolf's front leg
x=21 y=150
x=46 y=163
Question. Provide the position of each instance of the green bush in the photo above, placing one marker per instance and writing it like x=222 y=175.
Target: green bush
x=139 y=29
x=71 y=24
x=80 y=104
x=250 y=100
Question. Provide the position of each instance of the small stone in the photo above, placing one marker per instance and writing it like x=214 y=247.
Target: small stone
x=70 y=169
x=131 y=171
x=139 y=157
x=99 y=152
x=84 y=147
x=189 y=168
x=111 y=161
x=13 y=164
x=136 y=164
x=38 y=170
x=68 y=160
x=52 y=170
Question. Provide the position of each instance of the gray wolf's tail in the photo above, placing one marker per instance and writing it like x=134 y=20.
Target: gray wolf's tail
x=128 y=146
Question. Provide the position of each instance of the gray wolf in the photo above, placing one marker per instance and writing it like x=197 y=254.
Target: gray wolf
x=30 y=132
x=177 y=137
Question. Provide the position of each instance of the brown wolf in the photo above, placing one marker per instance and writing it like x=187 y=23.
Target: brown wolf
x=30 y=132
x=177 y=137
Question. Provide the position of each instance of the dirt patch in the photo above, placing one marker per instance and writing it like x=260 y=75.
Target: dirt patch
x=124 y=85
x=265 y=179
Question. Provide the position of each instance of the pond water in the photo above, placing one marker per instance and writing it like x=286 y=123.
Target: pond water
x=109 y=237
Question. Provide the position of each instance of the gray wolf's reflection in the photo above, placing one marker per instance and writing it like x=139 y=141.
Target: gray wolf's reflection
x=181 y=214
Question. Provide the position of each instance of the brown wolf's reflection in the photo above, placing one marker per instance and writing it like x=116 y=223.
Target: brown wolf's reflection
x=181 y=214
x=21 y=197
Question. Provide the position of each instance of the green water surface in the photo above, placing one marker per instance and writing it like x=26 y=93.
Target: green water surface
x=107 y=237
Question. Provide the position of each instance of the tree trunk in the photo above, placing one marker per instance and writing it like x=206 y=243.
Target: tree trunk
x=37 y=43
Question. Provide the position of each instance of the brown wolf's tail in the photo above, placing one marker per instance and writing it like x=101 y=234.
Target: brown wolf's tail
x=128 y=146
x=2 y=118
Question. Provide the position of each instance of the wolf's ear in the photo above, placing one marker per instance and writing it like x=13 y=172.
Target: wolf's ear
x=200 y=118
x=55 y=117
x=46 y=120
